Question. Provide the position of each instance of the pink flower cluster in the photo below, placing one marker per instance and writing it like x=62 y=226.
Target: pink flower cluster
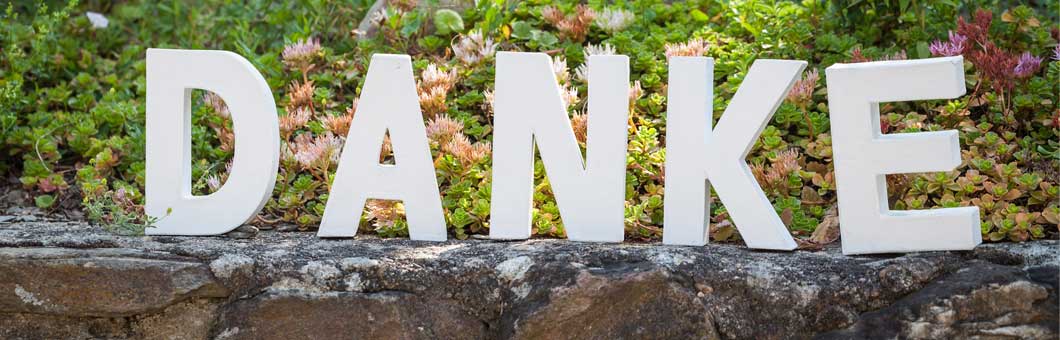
x=300 y=54
x=1027 y=65
x=953 y=47
x=802 y=92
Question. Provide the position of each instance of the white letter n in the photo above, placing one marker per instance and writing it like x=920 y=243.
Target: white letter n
x=590 y=193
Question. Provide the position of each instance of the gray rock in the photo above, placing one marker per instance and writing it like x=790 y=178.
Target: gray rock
x=287 y=227
x=980 y=301
x=40 y=326
x=292 y=314
x=98 y=282
x=639 y=303
x=27 y=218
x=186 y=320
x=72 y=280
x=229 y=265
x=243 y=232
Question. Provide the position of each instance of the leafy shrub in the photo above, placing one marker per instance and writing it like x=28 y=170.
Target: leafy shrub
x=72 y=99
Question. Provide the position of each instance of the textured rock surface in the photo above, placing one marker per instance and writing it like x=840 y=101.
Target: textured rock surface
x=71 y=280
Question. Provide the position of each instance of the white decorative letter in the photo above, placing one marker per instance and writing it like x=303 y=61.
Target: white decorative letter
x=529 y=109
x=863 y=156
x=694 y=153
x=171 y=77
x=388 y=104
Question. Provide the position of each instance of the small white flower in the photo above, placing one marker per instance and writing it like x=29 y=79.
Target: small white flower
x=582 y=72
x=605 y=49
x=473 y=48
x=213 y=182
x=693 y=48
x=489 y=100
x=378 y=17
x=559 y=67
x=97 y=20
x=570 y=96
x=613 y=20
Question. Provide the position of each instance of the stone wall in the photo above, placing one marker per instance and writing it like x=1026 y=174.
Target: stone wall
x=69 y=280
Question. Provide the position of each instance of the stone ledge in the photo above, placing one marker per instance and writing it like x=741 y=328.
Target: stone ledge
x=71 y=280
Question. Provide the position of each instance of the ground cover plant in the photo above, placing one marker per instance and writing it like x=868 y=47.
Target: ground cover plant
x=72 y=99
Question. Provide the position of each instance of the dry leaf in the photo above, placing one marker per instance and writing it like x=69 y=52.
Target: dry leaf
x=810 y=196
x=722 y=231
x=786 y=216
x=1012 y=195
x=1007 y=17
x=978 y=101
x=807 y=245
x=828 y=230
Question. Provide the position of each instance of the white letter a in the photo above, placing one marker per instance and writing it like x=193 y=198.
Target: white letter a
x=388 y=104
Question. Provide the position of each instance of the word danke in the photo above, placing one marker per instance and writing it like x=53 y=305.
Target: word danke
x=529 y=112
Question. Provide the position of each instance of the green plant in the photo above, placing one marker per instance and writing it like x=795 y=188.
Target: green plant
x=72 y=111
x=118 y=213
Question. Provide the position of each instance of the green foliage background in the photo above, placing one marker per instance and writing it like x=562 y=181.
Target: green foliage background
x=72 y=99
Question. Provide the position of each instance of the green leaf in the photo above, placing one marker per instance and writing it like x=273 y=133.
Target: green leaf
x=923 y=50
x=410 y=24
x=698 y=15
x=44 y=201
x=544 y=38
x=522 y=30
x=447 y=21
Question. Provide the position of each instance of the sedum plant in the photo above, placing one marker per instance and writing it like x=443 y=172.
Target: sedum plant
x=72 y=111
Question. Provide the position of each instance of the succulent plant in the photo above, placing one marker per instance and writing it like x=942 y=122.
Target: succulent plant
x=73 y=112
